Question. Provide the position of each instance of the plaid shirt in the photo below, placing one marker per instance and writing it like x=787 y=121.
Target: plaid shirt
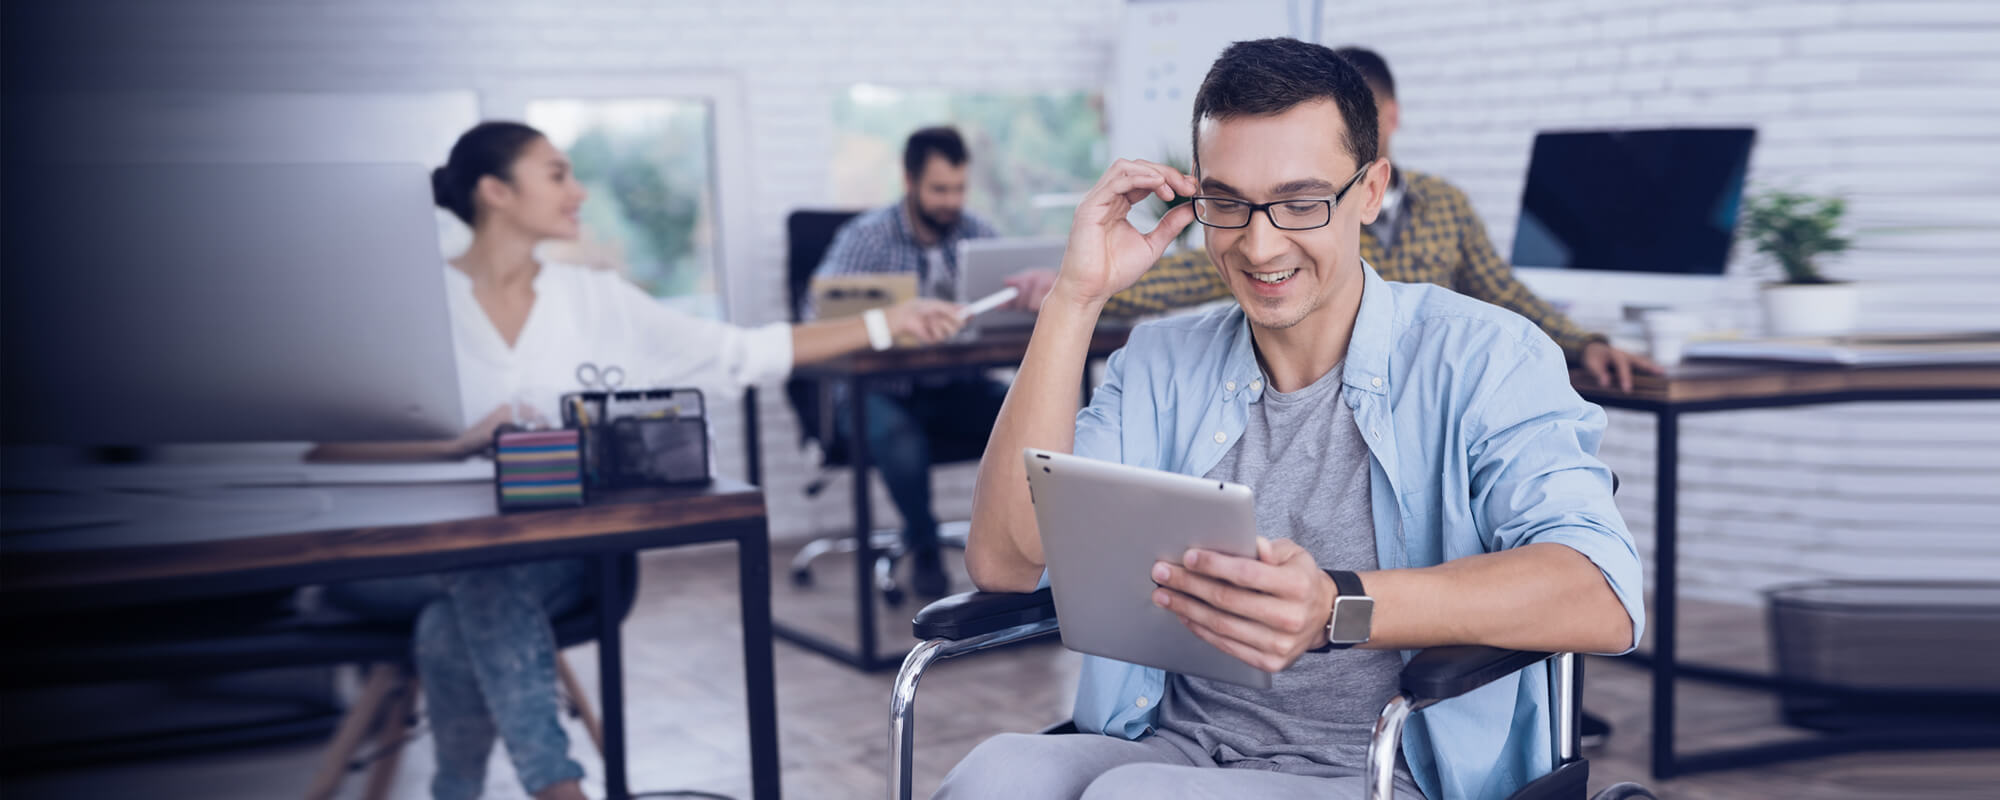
x=881 y=242
x=1440 y=240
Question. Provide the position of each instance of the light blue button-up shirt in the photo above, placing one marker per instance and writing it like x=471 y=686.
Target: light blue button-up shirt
x=1477 y=444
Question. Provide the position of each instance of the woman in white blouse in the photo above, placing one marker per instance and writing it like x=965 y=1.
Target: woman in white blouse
x=483 y=645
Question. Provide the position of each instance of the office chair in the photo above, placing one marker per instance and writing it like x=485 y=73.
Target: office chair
x=808 y=234
x=974 y=621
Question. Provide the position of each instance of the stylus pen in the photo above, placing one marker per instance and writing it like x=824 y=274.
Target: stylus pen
x=989 y=302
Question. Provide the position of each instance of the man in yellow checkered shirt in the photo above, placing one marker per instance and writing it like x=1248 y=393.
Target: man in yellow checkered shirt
x=1427 y=233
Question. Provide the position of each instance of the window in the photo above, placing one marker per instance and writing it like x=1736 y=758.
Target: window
x=1033 y=154
x=651 y=214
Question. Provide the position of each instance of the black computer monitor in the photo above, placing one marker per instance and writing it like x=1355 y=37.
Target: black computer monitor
x=1656 y=201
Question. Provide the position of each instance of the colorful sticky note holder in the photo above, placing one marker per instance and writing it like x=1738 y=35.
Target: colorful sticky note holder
x=538 y=469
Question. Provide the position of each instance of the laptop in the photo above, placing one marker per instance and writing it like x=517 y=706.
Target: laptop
x=984 y=265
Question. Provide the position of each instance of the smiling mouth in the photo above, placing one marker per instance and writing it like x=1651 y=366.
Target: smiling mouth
x=1273 y=278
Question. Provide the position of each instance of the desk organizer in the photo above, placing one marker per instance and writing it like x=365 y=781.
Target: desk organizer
x=641 y=437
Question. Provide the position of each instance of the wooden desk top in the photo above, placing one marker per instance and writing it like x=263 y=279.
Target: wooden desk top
x=355 y=523
x=1716 y=381
x=1000 y=348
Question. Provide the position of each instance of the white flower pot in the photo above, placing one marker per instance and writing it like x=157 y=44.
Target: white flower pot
x=1813 y=309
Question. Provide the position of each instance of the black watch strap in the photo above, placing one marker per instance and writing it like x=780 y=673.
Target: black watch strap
x=1349 y=585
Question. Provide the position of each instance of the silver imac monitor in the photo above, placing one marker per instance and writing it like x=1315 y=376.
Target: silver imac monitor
x=158 y=303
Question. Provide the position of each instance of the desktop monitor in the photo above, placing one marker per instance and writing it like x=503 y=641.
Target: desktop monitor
x=1651 y=201
x=146 y=304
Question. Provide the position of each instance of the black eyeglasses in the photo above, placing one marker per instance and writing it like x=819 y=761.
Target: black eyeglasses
x=1288 y=215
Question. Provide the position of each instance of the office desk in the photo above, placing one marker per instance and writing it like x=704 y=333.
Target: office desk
x=348 y=532
x=1704 y=386
x=991 y=350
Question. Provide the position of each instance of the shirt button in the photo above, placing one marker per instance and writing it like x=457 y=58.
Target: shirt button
x=1375 y=433
x=1256 y=386
x=1378 y=382
x=1229 y=387
x=1141 y=702
x=1221 y=437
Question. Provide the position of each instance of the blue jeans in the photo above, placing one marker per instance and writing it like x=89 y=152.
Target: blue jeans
x=902 y=430
x=486 y=655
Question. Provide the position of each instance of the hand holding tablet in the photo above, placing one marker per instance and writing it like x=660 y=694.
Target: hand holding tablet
x=1103 y=527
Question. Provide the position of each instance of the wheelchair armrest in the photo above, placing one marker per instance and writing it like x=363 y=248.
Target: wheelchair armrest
x=1440 y=673
x=962 y=616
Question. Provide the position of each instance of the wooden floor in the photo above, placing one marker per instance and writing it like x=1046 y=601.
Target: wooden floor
x=684 y=687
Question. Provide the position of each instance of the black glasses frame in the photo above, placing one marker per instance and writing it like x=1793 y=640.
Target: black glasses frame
x=1266 y=207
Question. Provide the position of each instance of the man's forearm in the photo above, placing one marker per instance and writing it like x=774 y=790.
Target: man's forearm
x=1544 y=597
x=1004 y=552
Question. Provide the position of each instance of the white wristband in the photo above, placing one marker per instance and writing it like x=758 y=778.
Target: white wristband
x=878 y=329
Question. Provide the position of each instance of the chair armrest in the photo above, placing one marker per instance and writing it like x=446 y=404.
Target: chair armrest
x=962 y=616
x=1441 y=673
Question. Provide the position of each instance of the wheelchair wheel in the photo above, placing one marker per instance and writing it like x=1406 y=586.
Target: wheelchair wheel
x=1625 y=791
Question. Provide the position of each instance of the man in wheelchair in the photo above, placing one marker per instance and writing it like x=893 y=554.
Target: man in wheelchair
x=1406 y=444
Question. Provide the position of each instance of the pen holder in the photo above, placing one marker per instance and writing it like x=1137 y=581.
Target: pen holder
x=646 y=437
x=538 y=469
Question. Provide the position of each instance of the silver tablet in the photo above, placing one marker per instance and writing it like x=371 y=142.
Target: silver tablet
x=1103 y=525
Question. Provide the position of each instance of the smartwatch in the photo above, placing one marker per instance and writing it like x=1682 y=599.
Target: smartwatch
x=1353 y=613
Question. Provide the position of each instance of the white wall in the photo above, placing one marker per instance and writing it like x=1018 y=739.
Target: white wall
x=1893 y=102
x=791 y=59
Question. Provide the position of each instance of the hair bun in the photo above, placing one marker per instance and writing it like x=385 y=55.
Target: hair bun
x=441 y=187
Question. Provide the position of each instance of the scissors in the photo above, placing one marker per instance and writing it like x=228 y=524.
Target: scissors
x=605 y=379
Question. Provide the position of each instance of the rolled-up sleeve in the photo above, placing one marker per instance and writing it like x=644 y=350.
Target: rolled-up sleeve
x=1535 y=472
x=1099 y=434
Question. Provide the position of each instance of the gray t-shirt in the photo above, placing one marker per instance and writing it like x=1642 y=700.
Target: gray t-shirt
x=1304 y=456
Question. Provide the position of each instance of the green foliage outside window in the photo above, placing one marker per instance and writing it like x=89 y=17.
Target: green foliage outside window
x=646 y=164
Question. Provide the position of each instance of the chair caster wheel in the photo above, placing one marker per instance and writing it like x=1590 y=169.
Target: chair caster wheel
x=802 y=578
x=892 y=596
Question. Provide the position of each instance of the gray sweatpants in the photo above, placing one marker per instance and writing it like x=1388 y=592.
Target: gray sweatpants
x=1018 y=766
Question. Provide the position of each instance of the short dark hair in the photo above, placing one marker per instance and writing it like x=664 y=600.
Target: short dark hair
x=488 y=149
x=1373 y=69
x=1272 y=76
x=942 y=140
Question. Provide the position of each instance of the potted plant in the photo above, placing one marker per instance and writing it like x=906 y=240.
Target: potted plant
x=1796 y=230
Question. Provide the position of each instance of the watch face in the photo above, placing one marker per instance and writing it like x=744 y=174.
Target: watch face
x=1353 y=617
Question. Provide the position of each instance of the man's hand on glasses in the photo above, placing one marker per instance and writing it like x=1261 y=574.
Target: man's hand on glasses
x=1106 y=253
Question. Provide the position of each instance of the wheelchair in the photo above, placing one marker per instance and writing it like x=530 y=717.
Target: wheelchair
x=974 y=621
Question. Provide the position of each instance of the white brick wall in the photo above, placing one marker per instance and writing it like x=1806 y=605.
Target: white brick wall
x=1895 y=103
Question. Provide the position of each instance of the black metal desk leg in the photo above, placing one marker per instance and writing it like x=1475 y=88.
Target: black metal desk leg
x=753 y=569
x=752 y=462
x=1665 y=591
x=610 y=675
x=864 y=525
